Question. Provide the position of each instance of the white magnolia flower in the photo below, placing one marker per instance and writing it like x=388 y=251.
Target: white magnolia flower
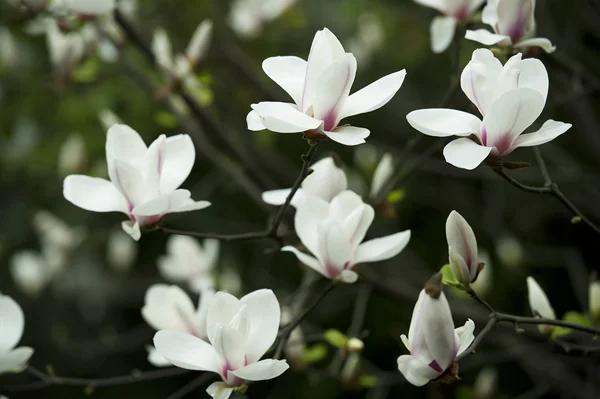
x=432 y=340
x=594 y=299
x=30 y=272
x=510 y=98
x=513 y=23
x=539 y=304
x=320 y=89
x=121 y=250
x=442 y=28
x=65 y=49
x=326 y=181
x=239 y=333
x=247 y=17
x=12 y=323
x=72 y=156
x=143 y=182
x=333 y=233
x=189 y=262
x=383 y=173
x=167 y=307
x=462 y=249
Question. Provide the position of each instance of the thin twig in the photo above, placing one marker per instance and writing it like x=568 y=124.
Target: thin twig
x=191 y=386
x=488 y=327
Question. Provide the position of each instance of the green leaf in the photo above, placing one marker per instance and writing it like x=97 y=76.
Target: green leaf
x=314 y=354
x=367 y=381
x=560 y=331
x=165 y=119
x=576 y=219
x=577 y=318
x=336 y=338
x=396 y=196
x=86 y=72
x=448 y=276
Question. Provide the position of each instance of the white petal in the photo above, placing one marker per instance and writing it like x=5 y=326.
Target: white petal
x=344 y=204
x=167 y=307
x=263 y=370
x=435 y=4
x=442 y=122
x=221 y=309
x=264 y=314
x=382 y=248
x=549 y=131
x=415 y=370
x=542 y=42
x=254 y=122
x=373 y=96
x=486 y=37
x=533 y=75
x=155 y=359
x=465 y=153
x=189 y=206
x=515 y=18
x=356 y=225
x=277 y=197
x=489 y=14
x=337 y=249
x=465 y=336
x=219 y=390
x=307 y=260
x=161 y=48
x=348 y=277
x=405 y=341
x=383 y=172
x=309 y=214
x=230 y=346
x=15 y=360
x=87 y=7
x=131 y=183
x=478 y=78
x=178 y=157
x=461 y=239
x=93 y=194
x=438 y=330
x=155 y=206
x=442 y=31
x=284 y=117
x=326 y=181
x=349 y=135
x=124 y=143
x=538 y=301
x=12 y=322
x=133 y=229
x=288 y=72
x=186 y=351
x=200 y=41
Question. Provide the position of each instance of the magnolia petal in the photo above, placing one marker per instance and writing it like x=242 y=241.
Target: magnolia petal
x=435 y=4
x=288 y=72
x=533 y=75
x=310 y=212
x=549 y=131
x=416 y=370
x=356 y=225
x=334 y=87
x=155 y=359
x=476 y=77
x=327 y=180
x=131 y=183
x=133 y=229
x=277 y=197
x=178 y=157
x=229 y=344
x=336 y=251
x=459 y=267
x=155 y=206
x=438 y=329
x=186 y=351
x=405 y=341
x=383 y=172
x=443 y=122
x=541 y=42
x=382 y=248
x=461 y=239
x=97 y=7
x=349 y=135
x=15 y=360
x=200 y=41
x=538 y=301
x=373 y=96
x=515 y=18
x=219 y=390
x=189 y=206
x=465 y=336
x=486 y=37
x=263 y=312
x=442 y=30
x=254 y=121
x=306 y=259
x=93 y=194
x=342 y=206
x=167 y=307
x=263 y=370
x=284 y=117
x=12 y=323
x=465 y=153
x=348 y=277
x=124 y=143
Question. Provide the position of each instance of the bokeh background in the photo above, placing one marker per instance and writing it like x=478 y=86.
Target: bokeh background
x=86 y=321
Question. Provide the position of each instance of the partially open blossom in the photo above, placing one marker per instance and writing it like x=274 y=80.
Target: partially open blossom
x=72 y=157
x=539 y=304
x=510 y=98
x=326 y=181
x=66 y=49
x=320 y=89
x=143 y=182
x=333 y=233
x=12 y=323
x=30 y=272
x=239 y=333
x=248 y=17
x=594 y=299
x=442 y=28
x=189 y=262
x=121 y=250
x=383 y=173
x=462 y=249
x=432 y=340
x=513 y=22
x=167 y=307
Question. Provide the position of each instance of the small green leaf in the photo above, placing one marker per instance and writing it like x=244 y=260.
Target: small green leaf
x=336 y=338
x=576 y=219
x=86 y=72
x=577 y=318
x=165 y=119
x=560 y=331
x=448 y=276
x=314 y=354
x=396 y=196
x=367 y=381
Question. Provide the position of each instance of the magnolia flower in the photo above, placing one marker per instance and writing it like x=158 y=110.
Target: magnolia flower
x=333 y=233
x=594 y=299
x=72 y=156
x=121 y=250
x=12 y=322
x=510 y=98
x=513 y=23
x=66 y=49
x=442 y=28
x=247 y=17
x=383 y=173
x=30 y=272
x=167 y=307
x=189 y=262
x=326 y=181
x=539 y=304
x=320 y=89
x=432 y=340
x=239 y=334
x=143 y=180
x=462 y=249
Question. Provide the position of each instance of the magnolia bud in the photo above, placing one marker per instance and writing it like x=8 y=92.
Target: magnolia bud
x=595 y=299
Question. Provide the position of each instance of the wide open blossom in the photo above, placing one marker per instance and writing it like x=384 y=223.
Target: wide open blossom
x=143 y=182
x=189 y=262
x=432 y=340
x=320 y=89
x=510 y=98
x=12 y=323
x=167 y=307
x=513 y=22
x=326 y=181
x=247 y=17
x=462 y=249
x=239 y=333
x=443 y=28
x=539 y=304
x=333 y=233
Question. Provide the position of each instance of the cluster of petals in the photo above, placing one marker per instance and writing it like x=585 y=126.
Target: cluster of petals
x=143 y=182
x=432 y=340
x=513 y=22
x=539 y=304
x=12 y=323
x=320 y=88
x=240 y=331
x=510 y=98
x=462 y=249
x=333 y=232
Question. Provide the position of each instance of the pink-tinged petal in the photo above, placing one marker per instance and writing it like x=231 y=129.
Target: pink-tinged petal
x=288 y=72
x=442 y=30
x=264 y=370
x=254 y=121
x=442 y=122
x=349 y=135
x=133 y=229
x=307 y=260
x=12 y=322
x=177 y=160
x=284 y=117
x=461 y=239
x=336 y=248
x=219 y=390
x=373 y=96
x=93 y=194
x=356 y=225
x=221 y=310
x=533 y=75
x=489 y=14
x=277 y=197
x=131 y=183
x=541 y=42
x=155 y=359
x=230 y=346
x=15 y=360
x=465 y=336
x=348 y=277
x=486 y=37
x=382 y=248
x=186 y=351
x=435 y=4
x=264 y=315
x=438 y=330
x=309 y=213
x=465 y=153
x=416 y=370
x=550 y=130
x=152 y=163
x=515 y=18
x=167 y=307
